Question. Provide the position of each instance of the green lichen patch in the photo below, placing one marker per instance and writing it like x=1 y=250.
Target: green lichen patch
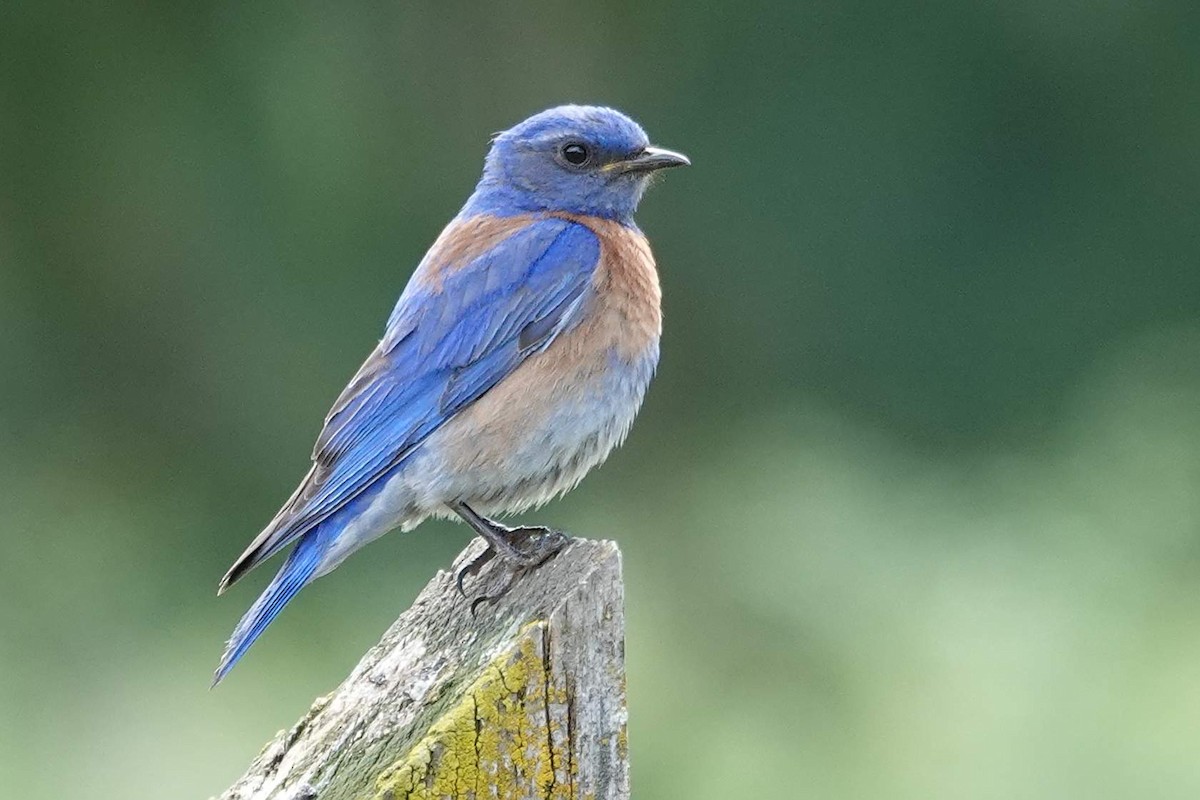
x=498 y=741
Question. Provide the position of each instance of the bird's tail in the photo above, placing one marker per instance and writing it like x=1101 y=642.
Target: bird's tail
x=296 y=572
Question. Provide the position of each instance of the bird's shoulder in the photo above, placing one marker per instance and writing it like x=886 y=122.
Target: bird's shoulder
x=463 y=242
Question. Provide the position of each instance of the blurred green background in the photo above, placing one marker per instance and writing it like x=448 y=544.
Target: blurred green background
x=913 y=508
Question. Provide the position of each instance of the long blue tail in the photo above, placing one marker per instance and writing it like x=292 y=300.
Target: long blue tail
x=296 y=572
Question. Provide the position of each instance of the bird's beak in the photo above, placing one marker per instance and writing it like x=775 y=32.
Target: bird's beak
x=651 y=159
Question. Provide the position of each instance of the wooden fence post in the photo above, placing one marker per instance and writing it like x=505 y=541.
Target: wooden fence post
x=524 y=700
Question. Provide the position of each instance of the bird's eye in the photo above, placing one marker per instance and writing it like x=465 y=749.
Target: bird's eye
x=575 y=154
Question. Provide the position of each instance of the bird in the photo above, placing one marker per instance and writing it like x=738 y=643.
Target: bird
x=514 y=361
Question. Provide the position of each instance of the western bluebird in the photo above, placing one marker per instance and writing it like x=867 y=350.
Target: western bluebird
x=514 y=361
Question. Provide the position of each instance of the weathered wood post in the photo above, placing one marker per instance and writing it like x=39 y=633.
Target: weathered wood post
x=525 y=700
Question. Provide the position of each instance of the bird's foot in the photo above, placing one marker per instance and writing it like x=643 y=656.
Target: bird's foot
x=520 y=549
x=472 y=569
x=536 y=544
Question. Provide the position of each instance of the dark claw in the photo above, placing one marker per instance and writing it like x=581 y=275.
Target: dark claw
x=472 y=569
x=490 y=599
x=521 y=549
x=542 y=544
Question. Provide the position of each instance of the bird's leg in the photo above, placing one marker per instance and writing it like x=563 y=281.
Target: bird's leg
x=523 y=547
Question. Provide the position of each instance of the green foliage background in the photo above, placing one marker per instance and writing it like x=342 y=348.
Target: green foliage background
x=912 y=510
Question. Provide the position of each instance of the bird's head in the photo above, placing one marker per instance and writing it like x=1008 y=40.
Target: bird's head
x=577 y=159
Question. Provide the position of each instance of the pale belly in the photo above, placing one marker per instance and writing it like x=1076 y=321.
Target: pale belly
x=527 y=441
x=520 y=445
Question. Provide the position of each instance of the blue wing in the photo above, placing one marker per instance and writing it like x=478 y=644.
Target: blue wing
x=447 y=342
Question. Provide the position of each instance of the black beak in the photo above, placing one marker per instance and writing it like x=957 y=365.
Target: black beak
x=651 y=159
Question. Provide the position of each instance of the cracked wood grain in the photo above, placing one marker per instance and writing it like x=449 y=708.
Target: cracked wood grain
x=525 y=700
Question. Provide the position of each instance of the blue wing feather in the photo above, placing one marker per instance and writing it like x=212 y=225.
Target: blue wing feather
x=444 y=347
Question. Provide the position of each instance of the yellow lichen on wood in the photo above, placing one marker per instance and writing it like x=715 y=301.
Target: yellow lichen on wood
x=497 y=742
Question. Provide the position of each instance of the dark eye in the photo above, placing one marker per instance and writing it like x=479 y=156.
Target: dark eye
x=575 y=154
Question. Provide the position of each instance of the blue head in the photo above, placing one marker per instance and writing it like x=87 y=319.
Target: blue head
x=579 y=159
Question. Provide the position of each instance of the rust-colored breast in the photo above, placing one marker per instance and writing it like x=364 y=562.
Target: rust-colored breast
x=629 y=297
